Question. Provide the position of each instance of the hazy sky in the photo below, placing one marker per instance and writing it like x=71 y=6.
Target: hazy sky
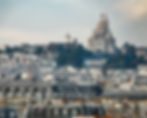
x=42 y=21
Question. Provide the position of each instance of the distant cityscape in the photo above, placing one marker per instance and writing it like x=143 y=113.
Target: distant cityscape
x=69 y=80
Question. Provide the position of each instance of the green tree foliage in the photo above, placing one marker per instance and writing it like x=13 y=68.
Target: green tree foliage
x=70 y=54
x=126 y=58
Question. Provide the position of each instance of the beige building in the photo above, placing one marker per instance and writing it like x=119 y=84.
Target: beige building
x=102 y=39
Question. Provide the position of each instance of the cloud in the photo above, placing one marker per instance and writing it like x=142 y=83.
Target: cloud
x=14 y=37
x=42 y=21
x=133 y=9
x=17 y=36
x=130 y=9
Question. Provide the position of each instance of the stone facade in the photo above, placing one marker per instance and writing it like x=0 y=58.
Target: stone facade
x=102 y=39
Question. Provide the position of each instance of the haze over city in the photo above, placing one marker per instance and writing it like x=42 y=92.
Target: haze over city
x=73 y=59
x=43 y=21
